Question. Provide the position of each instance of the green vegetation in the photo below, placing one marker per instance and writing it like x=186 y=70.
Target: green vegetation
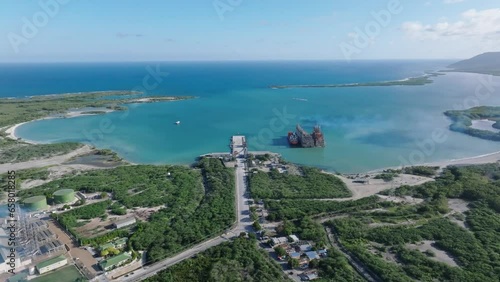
x=462 y=121
x=236 y=261
x=474 y=250
x=13 y=111
x=336 y=268
x=412 y=81
x=314 y=184
x=134 y=186
x=295 y=209
x=176 y=227
x=26 y=153
x=27 y=174
x=93 y=113
x=386 y=176
x=427 y=171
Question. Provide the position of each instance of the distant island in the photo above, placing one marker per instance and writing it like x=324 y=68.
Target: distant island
x=482 y=122
x=486 y=63
x=411 y=81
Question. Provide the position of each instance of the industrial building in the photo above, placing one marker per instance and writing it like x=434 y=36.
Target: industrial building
x=64 y=196
x=124 y=222
x=35 y=203
x=51 y=264
x=115 y=261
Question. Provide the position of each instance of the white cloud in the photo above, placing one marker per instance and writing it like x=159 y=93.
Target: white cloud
x=482 y=25
x=452 y=1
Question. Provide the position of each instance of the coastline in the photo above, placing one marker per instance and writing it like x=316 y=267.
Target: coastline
x=11 y=130
x=474 y=160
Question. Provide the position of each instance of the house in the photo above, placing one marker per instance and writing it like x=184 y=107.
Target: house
x=305 y=248
x=312 y=255
x=119 y=243
x=322 y=253
x=106 y=246
x=295 y=255
x=115 y=261
x=294 y=238
x=310 y=276
x=276 y=241
x=124 y=222
x=51 y=264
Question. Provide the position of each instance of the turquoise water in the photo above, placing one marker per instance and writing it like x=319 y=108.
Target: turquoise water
x=365 y=128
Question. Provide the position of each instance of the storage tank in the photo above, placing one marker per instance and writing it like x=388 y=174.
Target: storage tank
x=64 y=196
x=35 y=203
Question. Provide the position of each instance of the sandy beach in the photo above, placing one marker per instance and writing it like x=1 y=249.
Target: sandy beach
x=11 y=131
x=475 y=160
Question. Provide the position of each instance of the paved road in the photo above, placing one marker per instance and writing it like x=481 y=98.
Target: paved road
x=244 y=224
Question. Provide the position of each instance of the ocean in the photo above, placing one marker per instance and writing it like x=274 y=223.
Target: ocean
x=365 y=127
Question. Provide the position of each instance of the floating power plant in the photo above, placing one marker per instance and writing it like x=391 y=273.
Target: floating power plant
x=300 y=138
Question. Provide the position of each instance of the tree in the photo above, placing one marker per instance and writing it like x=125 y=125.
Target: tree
x=293 y=263
x=257 y=226
x=252 y=236
x=112 y=250
x=280 y=251
x=104 y=195
x=314 y=263
x=104 y=253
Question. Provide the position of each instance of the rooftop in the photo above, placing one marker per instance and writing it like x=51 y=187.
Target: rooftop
x=125 y=220
x=114 y=260
x=50 y=261
x=312 y=255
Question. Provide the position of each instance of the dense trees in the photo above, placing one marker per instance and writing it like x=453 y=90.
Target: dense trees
x=172 y=229
x=236 y=261
x=313 y=185
x=295 y=209
x=476 y=250
x=134 y=186
x=462 y=120
x=18 y=154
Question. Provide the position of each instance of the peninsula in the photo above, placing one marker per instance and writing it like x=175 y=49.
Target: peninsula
x=411 y=81
x=482 y=122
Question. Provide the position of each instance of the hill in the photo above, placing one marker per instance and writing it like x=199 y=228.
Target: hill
x=486 y=63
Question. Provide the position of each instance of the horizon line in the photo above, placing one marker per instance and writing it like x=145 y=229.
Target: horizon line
x=232 y=60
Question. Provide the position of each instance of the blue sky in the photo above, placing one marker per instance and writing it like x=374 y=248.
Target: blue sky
x=155 y=30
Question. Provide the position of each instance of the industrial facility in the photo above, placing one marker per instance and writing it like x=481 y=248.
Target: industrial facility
x=64 y=196
x=35 y=203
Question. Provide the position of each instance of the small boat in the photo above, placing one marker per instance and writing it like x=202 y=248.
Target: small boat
x=293 y=139
x=177 y=122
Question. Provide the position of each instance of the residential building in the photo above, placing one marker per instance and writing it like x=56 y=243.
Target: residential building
x=312 y=255
x=294 y=238
x=277 y=241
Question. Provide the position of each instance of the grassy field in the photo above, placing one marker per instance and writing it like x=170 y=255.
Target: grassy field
x=65 y=274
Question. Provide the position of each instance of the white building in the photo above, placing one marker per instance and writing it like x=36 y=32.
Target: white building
x=51 y=264
x=124 y=222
